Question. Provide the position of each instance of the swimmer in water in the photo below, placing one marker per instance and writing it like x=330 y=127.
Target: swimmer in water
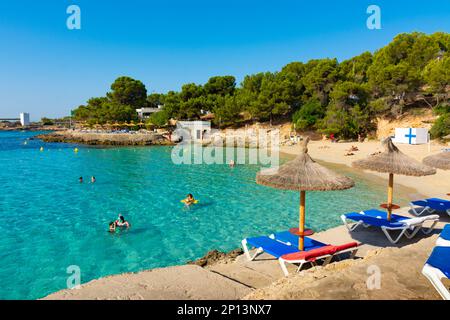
x=112 y=227
x=189 y=200
x=80 y=179
x=121 y=222
x=232 y=163
x=93 y=180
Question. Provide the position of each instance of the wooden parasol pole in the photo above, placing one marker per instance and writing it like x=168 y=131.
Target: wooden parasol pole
x=390 y=195
x=301 y=228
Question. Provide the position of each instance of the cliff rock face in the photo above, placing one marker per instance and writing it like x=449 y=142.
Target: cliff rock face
x=423 y=118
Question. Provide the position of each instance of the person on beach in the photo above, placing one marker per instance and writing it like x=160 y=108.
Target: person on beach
x=121 y=222
x=93 y=180
x=332 y=138
x=80 y=179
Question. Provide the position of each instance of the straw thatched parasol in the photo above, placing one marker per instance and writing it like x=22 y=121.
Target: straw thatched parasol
x=393 y=161
x=303 y=174
x=440 y=161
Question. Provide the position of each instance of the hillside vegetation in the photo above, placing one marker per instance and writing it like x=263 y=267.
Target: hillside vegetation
x=346 y=98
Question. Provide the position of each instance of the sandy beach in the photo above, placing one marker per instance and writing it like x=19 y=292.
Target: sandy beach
x=434 y=185
x=400 y=265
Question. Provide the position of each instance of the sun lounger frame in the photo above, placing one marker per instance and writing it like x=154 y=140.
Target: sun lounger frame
x=435 y=276
x=436 y=268
x=415 y=208
x=408 y=230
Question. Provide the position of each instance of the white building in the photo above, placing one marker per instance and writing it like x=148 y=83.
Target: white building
x=197 y=130
x=411 y=135
x=144 y=113
x=25 y=119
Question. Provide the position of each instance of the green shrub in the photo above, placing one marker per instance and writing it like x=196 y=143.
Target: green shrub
x=441 y=127
x=159 y=119
x=307 y=116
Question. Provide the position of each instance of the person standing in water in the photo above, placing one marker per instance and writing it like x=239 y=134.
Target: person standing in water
x=121 y=222
x=112 y=227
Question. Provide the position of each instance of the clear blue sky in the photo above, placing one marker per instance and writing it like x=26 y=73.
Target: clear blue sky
x=48 y=70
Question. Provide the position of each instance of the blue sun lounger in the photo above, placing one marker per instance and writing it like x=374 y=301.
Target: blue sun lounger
x=277 y=245
x=430 y=205
x=444 y=237
x=438 y=268
x=291 y=239
x=377 y=218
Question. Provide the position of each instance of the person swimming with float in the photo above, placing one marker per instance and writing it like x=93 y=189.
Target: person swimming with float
x=189 y=200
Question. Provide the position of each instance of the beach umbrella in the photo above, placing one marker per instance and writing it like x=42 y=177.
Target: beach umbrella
x=393 y=161
x=439 y=161
x=303 y=174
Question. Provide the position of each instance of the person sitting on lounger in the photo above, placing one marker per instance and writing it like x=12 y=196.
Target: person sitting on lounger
x=121 y=222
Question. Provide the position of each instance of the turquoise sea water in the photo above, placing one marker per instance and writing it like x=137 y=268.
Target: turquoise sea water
x=50 y=221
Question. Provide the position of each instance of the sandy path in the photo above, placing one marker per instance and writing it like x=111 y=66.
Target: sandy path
x=172 y=283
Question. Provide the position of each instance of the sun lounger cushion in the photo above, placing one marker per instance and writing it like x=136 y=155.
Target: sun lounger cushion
x=439 y=259
x=433 y=203
x=445 y=234
x=319 y=252
x=374 y=221
x=271 y=246
x=310 y=255
x=346 y=246
x=292 y=239
x=375 y=213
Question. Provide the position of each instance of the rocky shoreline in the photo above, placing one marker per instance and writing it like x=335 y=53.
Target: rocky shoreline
x=107 y=139
x=216 y=256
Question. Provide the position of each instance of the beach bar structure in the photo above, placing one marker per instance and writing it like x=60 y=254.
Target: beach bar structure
x=145 y=113
x=411 y=135
x=197 y=130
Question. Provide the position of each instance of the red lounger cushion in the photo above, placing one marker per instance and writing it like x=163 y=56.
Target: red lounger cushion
x=347 y=246
x=310 y=255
